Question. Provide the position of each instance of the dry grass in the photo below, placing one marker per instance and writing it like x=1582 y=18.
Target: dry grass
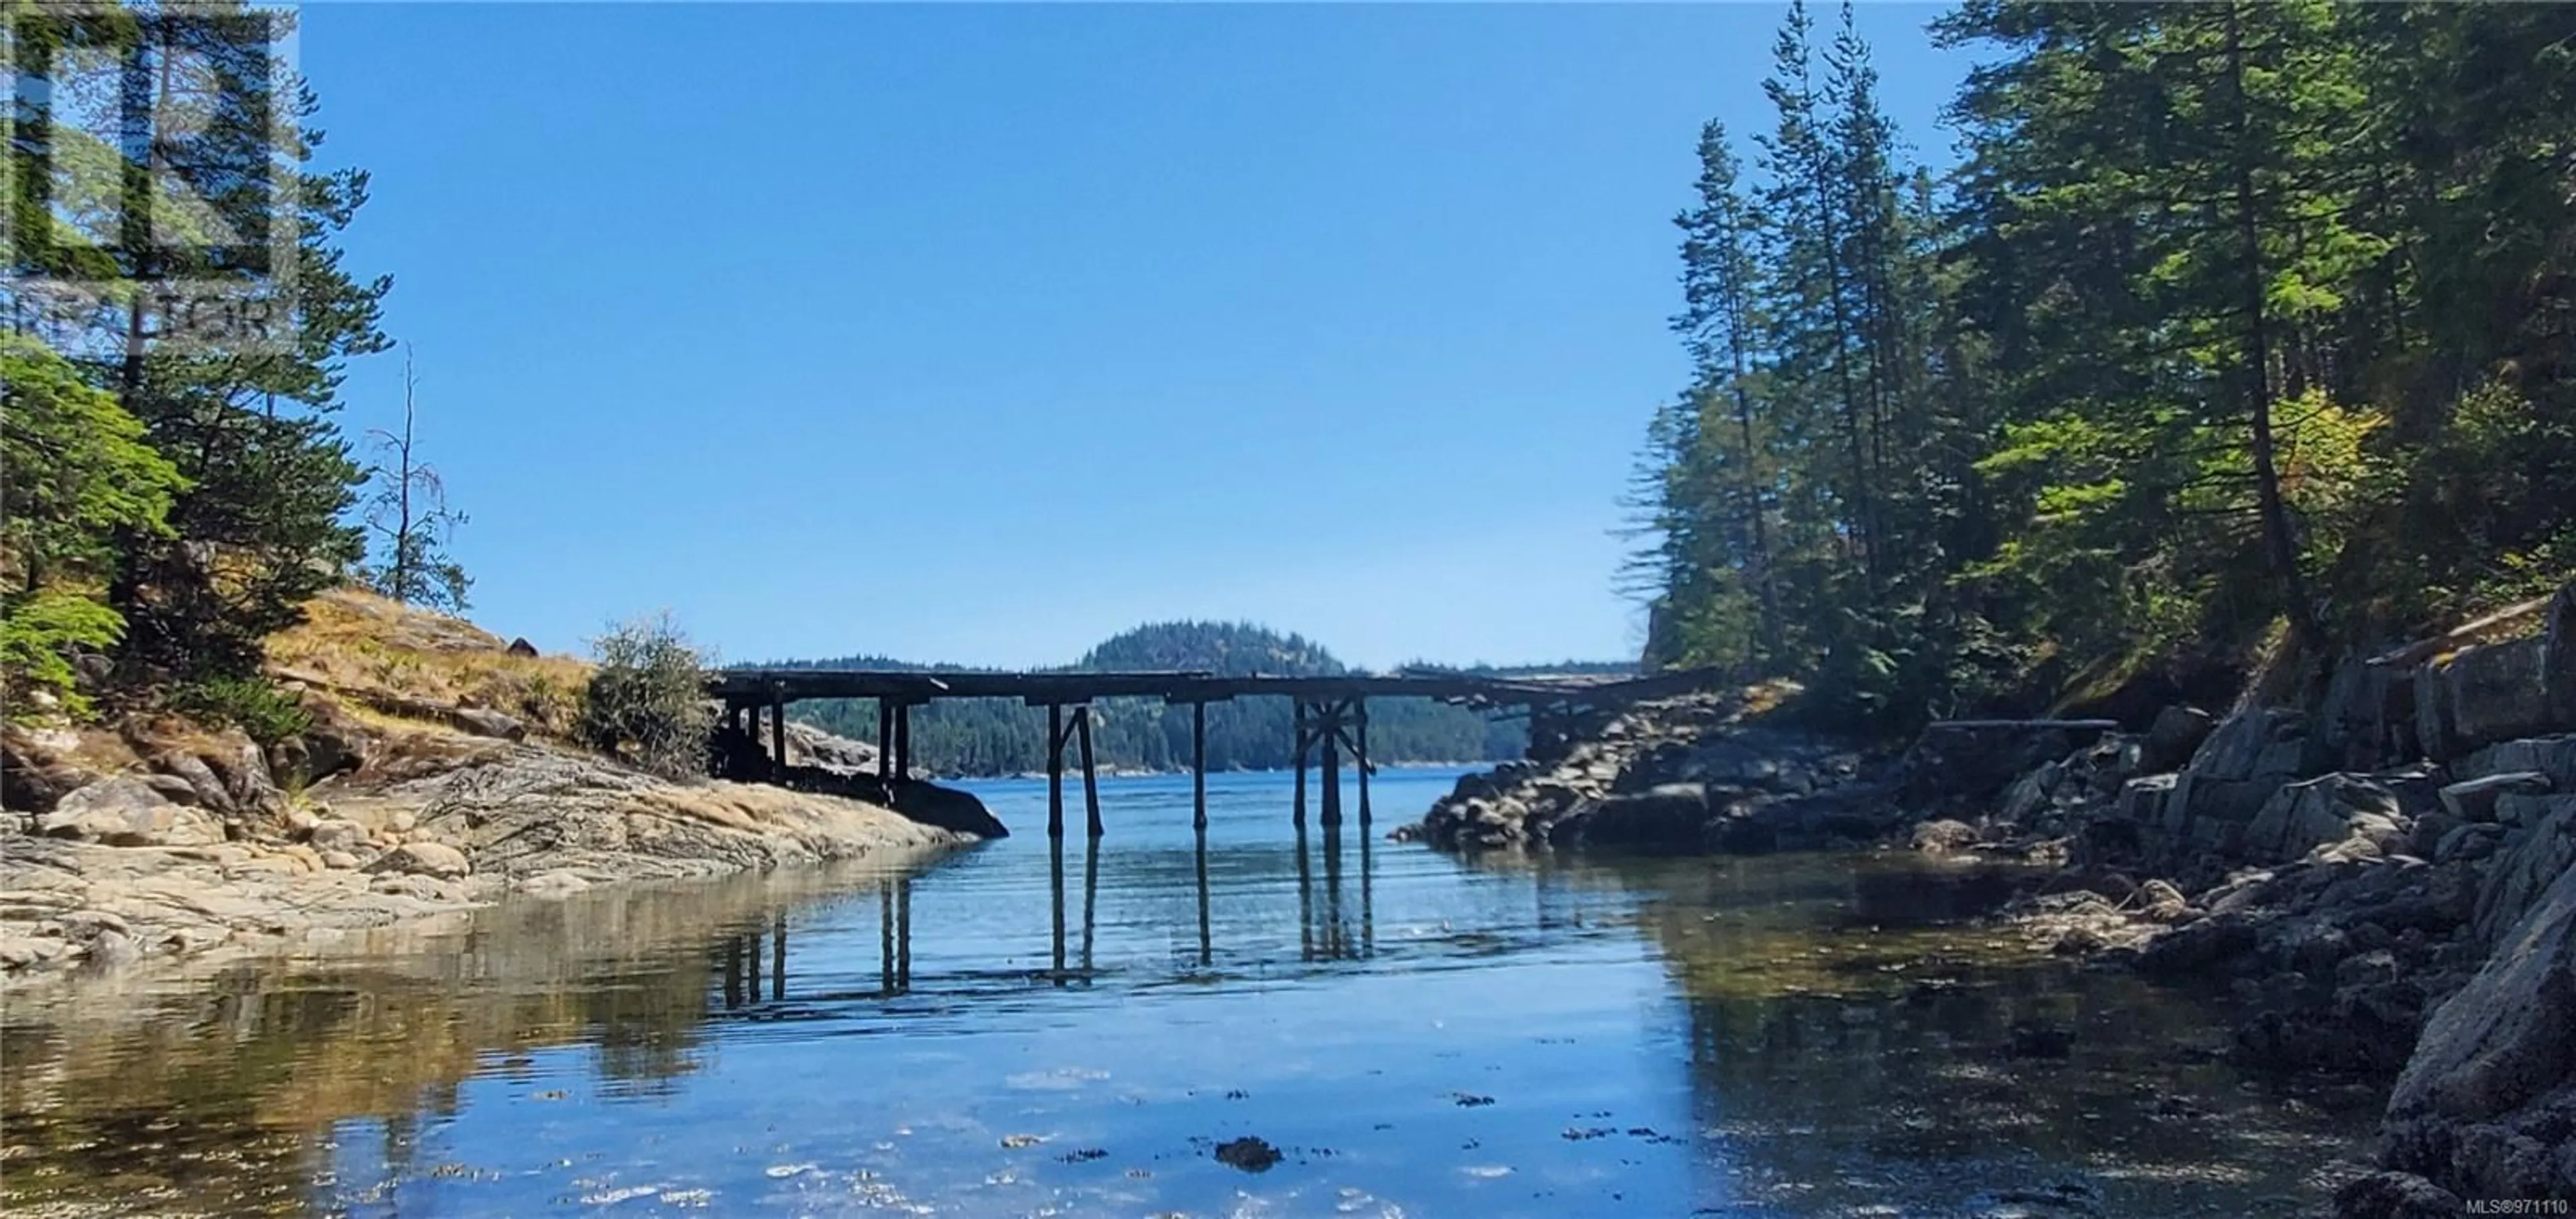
x=379 y=651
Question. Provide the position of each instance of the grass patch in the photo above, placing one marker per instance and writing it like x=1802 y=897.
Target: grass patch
x=359 y=643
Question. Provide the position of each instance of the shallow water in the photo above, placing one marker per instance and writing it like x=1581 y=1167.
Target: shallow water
x=1007 y=1030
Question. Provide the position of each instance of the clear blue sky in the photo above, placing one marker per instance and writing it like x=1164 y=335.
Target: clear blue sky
x=981 y=333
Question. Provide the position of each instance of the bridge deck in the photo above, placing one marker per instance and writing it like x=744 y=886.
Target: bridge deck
x=766 y=686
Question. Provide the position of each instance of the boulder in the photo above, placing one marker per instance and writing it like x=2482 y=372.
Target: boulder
x=2177 y=732
x=125 y=811
x=946 y=808
x=244 y=769
x=1971 y=761
x=1671 y=814
x=206 y=788
x=2495 y=692
x=2475 y=799
x=334 y=743
x=1944 y=837
x=484 y=722
x=2324 y=811
x=334 y=834
x=2197 y=948
x=423 y=859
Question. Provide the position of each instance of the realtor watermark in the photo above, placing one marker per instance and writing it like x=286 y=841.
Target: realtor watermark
x=2517 y=1206
x=153 y=174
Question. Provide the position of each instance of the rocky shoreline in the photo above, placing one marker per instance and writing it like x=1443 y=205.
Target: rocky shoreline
x=2385 y=877
x=431 y=772
x=131 y=868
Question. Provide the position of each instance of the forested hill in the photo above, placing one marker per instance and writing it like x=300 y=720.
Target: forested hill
x=2237 y=339
x=1000 y=736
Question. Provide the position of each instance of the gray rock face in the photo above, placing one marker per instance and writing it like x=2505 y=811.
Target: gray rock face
x=2495 y=692
x=2528 y=859
x=2325 y=811
x=125 y=811
x=2479 y=1106
x=2267 y=743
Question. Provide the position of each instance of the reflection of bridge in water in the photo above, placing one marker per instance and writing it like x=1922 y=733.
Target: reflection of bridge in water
x=1331 y=714
x=1336 y=921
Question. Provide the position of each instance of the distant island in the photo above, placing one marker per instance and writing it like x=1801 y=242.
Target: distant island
x=1000 y=737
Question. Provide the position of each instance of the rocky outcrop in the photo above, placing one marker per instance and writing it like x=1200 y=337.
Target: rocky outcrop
x=2487 y=1106
x=1689 y=774
x=198 y=849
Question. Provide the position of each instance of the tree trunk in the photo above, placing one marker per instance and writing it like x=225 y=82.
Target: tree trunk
x=2277 y=538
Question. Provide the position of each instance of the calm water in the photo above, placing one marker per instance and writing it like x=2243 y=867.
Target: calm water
x=987 y=1033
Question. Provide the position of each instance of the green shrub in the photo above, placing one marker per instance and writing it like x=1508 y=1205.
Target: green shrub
x=267 y=713
x=647 y=703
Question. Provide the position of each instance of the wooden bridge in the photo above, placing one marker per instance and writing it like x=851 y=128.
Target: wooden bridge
x=1331 y=713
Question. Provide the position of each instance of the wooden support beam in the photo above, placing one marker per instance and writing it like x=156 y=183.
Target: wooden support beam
x=1207 y=943
x=1331 y=770
x=903 y=742
x=778 y=733
x=885 y=741
x=1090 y=773
x=1359 y=750
x=1055 y=882
x=1198 y=768
x=1301 y=763
x=1055 y=786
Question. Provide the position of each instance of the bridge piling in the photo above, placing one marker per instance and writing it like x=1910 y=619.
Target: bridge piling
x=1360 y=749
x=1330 y=768
x=778 y=729
x=903 y=741
x=1198 y=774
x=1055 y=771
x=885 y=742
x=1302 y=741
x=1090 y=773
